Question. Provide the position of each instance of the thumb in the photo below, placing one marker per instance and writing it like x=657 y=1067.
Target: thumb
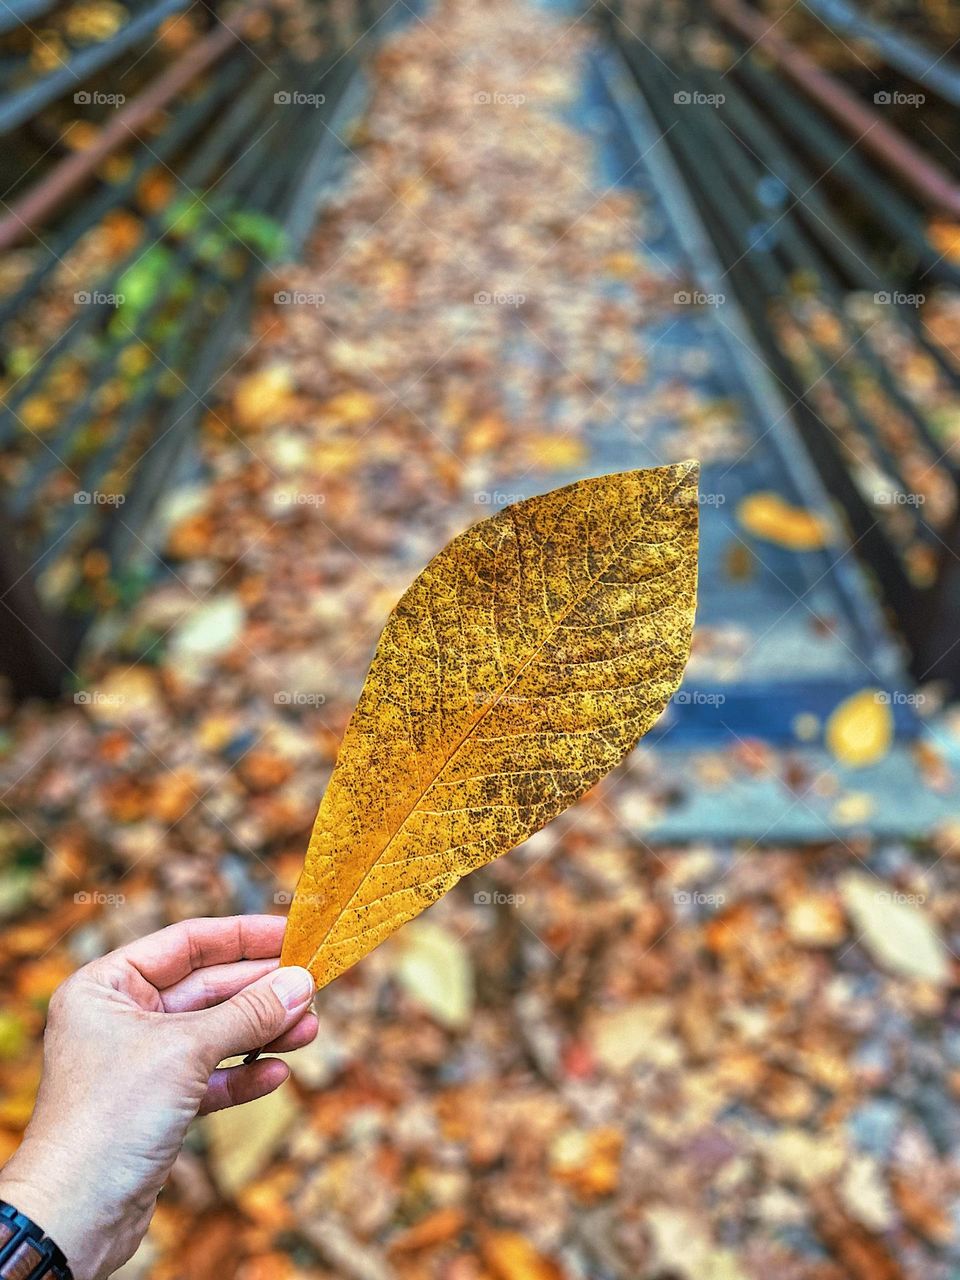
x=258 y=1014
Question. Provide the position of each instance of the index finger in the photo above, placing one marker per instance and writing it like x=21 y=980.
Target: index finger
x=170 y=954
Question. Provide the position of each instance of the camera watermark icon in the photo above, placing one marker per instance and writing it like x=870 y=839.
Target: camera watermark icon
x=94 y=98
x=686 y=898
x=298 y=498
x=97 y=298
x=295 y=98
x=896 y=98
x=298 y=698
x=97 y=498
x=497 y=99
x=895 y=898
x=697 y=698
x=897 y=298
x=495 y=498
x=499 y=299
x=694 y=98
x=94 y=897
x=897 y=498
x=298 y=298
x=897 y=698
x=95 y=698
x=697 y=298
x=495 y=898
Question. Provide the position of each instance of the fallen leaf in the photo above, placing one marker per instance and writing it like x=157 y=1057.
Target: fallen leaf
x=637 y=1033
x=865 y=1195
x=243 y=1139
x=436 y=1228
x=262 y=399
x=860 y=730
x=511 y=1257
x=863 y=1255
x=211 y=629
x=681 y=1247
x=519 y=668
x=815 y=920
x=434 y=966
x=588 y=1162
x=894 y=929
x=930 y=1220
x=769 y=516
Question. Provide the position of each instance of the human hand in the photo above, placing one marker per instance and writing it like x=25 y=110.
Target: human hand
x=130 y=1056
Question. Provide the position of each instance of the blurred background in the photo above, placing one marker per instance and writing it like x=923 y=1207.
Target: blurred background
x=291 y=293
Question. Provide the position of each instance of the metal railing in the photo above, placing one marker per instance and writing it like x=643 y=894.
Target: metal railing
x=198 y=177
x=825 y=242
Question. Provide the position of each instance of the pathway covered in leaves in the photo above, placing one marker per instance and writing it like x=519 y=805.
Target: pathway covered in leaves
x=595 y=1058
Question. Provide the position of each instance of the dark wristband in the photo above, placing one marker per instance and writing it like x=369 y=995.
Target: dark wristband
x=25 y=1252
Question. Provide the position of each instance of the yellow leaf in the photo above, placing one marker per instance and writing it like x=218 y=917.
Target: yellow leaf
x=860 y=729
x=243 y=1140
x=433 y=965
x=768 y=516
x=519 y=668
x=945 y=238
x=352 y=408
x=262 y=398
x=511 y=1257
x=555 y=453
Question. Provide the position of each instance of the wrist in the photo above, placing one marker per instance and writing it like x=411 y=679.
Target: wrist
x=71 y=1205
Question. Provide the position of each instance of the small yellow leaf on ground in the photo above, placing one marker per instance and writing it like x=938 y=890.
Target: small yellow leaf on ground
x=433 y=965
x=555 y=453
x=894 y=928
x=512 y=1257
x=262 y=399
x=860 y=730
x=769 y=516
x=244 y=1139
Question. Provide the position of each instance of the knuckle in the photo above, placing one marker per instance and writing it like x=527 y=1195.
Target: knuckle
x=257 y=1009
x=62 y=1001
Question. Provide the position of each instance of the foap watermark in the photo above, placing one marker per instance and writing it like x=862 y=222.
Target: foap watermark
x=96 y=698
x=94 y=98
x=897 y=498
x=897 y=698
x=496 y=898
x=498 y=298
x=690 y=898
x=295 y=98
x=283 y=898
x=897 y=298
x=97 y=898
x=697 y=298
x=699 y=698
x=298 y=698
x=98 y=498
x=97 y=298
x=896 y=98
x=893 y=897
x=298 y=298
x=495 y=498
x=694 y=98
x=299 y=498
x=495 y=98
x=711 y=499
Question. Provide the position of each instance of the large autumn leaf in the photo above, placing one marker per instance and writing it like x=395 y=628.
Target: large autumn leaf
x=517 y=670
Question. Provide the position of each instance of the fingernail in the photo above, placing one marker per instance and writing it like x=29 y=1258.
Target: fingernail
x=292 y=986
